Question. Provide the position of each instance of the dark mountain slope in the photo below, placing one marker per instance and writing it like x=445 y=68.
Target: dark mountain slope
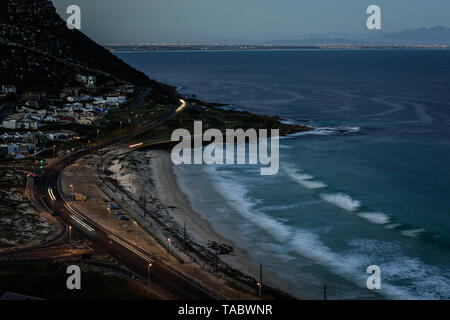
x=35 y=44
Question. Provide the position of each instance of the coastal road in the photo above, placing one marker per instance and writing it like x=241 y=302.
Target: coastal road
x=103 y=241
x=162 y=275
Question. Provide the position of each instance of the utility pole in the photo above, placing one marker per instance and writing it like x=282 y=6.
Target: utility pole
x=325 y=291
x=260 y=277
x=215 y=262
x=148 y=275
x=185 y=237
x=101 y=162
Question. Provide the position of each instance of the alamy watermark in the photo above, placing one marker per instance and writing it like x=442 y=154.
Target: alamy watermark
x=74 y=19
x=74 y=280
x=374 y=280
x=374 y=20
x=231 y=151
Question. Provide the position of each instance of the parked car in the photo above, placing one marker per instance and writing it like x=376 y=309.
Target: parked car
x=112 y=206
x=124 y=218
x=119 y=213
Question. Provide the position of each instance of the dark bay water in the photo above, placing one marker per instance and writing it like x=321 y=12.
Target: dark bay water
x=376 y=195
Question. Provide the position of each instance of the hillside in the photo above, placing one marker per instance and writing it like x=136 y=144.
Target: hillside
x=39 y=52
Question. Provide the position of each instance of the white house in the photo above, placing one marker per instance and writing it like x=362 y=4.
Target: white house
x=30 y=124
x=10 y=124
x=86 y=121
x=120 y=100
x=50 y=119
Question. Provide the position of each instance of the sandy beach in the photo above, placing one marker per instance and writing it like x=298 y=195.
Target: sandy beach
x=154 y=178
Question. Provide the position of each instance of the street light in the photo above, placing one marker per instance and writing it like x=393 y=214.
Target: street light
x=259 y=288
x=170 y=243
x=73 y=193
x=135 y=237
x=148 y=275
x=109 y=219
x=70 y=234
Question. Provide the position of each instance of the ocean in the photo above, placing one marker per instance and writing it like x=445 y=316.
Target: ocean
x=369 y=186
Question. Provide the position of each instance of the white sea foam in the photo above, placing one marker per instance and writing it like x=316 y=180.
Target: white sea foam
x=393 y=225
x=413 y=233
x=303 y=179
x=325 y=131
x=281 y=207
x=235 y=193
x=375 y=217
x=342 y=200
x=288 y=121
x=347 y=264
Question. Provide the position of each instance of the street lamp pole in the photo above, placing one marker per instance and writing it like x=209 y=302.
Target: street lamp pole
x=148 y=275
x=73 y=193
x=70 y=235
x=109 y=219
x=135 y=236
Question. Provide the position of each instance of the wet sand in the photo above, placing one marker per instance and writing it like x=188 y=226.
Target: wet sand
x=198 y=228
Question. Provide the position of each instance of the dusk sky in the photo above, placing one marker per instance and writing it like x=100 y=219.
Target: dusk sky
x=252 y=20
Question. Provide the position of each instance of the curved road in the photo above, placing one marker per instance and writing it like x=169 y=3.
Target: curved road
x=163 y=276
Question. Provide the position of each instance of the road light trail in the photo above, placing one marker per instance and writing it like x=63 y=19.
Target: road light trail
x=131 y=248
x=136 y=145
x=178 y=283
x=74 y=212
x=83 y=224
x=183 y=105
x=50 y=193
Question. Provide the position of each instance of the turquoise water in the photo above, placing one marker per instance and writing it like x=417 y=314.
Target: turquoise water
x=378 y=194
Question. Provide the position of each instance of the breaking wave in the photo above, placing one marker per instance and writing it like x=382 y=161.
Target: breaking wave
x=304 y=179
x=342 y=200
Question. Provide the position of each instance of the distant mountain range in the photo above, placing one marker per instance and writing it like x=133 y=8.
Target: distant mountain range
x=427 y=36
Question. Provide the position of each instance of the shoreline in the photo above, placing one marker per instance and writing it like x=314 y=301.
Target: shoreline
x=166 y=185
